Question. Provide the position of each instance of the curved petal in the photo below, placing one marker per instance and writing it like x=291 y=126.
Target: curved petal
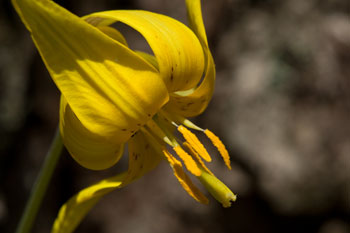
x=150 y=58
x=143 y=157
x=195 y=102
x=88 y=149
x=114 y=34
x=177 y=49
x=194 y=14
x=105 y=83
x=77 y=207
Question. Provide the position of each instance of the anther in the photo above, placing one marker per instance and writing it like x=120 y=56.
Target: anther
x=190 y=164
x=220 y=146
x=194 y=142
x=196 y=156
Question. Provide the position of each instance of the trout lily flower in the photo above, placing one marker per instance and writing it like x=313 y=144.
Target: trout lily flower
x=112 y=96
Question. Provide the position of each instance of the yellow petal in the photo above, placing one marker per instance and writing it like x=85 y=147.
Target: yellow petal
x=88 y=149
x=73 y=211
x=184 y=180
x=114 y=34
x=194 y=14
x=105 y=83
x=177 y=49
x=195 y=102
x=150 y=58
x=142 y=157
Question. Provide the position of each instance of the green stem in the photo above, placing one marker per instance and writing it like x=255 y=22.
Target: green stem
x=41 y=184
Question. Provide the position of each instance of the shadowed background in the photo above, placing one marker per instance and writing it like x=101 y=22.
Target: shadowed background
x=281 y=106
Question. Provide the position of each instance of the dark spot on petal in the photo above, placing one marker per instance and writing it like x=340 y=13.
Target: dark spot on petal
x=123 y=129
x=135 y=155
x=147 y=146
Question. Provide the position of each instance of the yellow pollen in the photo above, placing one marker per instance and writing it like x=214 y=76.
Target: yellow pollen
x=220 y=146
x=184 y=180
x=190 y=164
x=196 y=156
x=171 y=159
x=194 y=142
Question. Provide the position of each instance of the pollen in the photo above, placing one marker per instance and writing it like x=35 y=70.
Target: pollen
x=184 y=180
x=196 y=156
x=190 y=164
x=220 y=146
x=194 y=142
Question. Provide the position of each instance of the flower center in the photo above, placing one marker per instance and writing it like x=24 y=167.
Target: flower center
x=173 y=130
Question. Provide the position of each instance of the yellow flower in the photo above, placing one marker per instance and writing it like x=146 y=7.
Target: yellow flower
x=112 y=96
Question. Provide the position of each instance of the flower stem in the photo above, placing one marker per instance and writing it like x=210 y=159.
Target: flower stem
x=41 y=184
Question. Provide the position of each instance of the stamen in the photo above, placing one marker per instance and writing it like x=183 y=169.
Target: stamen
x=190 y=164
x=184 y=180
x=194 y=142
x=220 y=146
x=166 y=128
x=196 y=156
x=191 y=125
x=157 y=133
x=180 y=120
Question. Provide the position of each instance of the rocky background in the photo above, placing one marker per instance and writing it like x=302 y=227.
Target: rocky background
x=281 y=106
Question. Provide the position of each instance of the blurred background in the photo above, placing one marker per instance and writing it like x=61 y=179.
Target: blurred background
x=281 y=106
